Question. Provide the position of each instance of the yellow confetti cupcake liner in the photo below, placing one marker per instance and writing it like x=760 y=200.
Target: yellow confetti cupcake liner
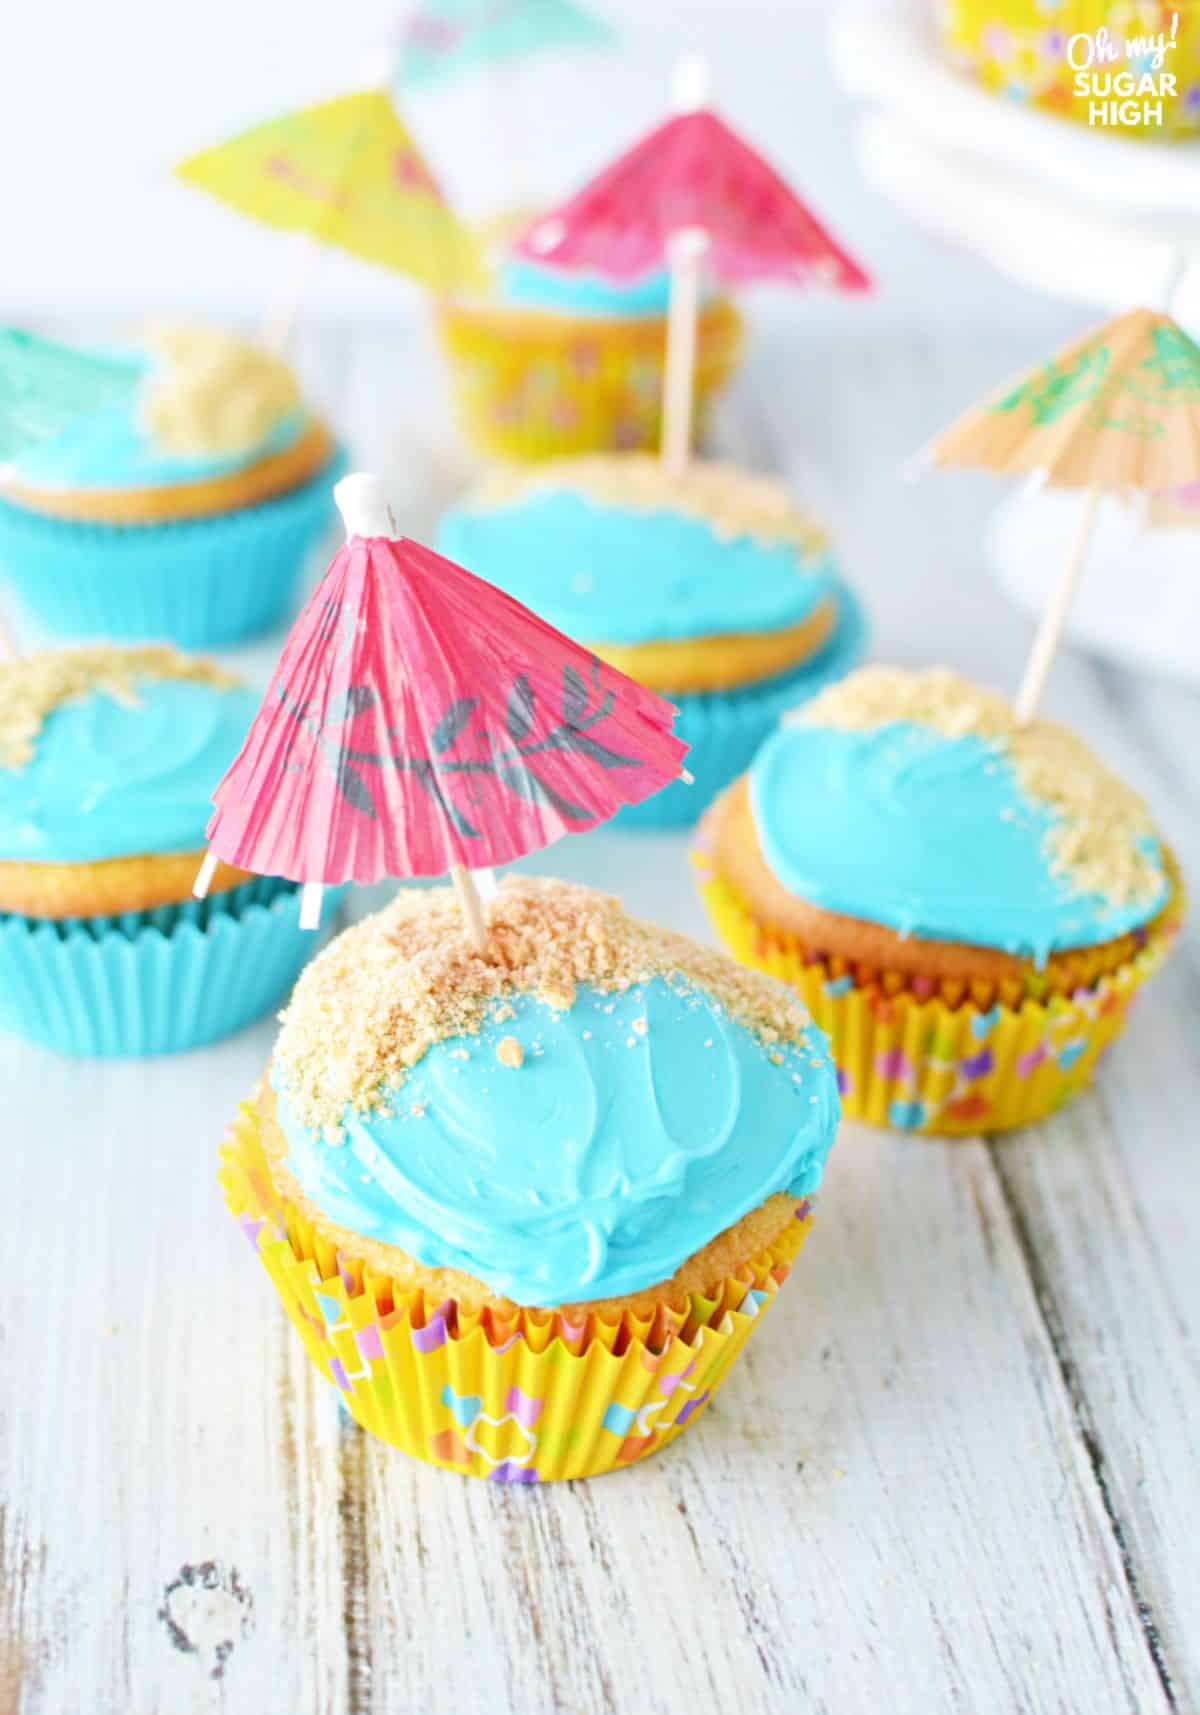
x=1022 y=50
x=926 y=1065
x=529 y=1398
x=532 y=385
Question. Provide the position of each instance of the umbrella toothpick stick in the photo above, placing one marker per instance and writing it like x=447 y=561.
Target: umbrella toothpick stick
x=363 y=503
x=471 y=906
x=686 y=260
x=683 y=312
x=281 y=318
x=311 y=894
x=1050 y=628
x=204 y=876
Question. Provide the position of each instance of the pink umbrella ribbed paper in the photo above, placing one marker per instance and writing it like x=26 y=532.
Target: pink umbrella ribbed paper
x=692 y=172
x=420 y=719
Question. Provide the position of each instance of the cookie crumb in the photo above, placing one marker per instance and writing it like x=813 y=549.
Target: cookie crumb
x=510 y=1053
x=33 y=686
x=733 y=503
x=383 y=993
x=1100 y=835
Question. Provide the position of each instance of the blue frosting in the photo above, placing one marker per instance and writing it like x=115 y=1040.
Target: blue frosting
x=109 y=449
x=931 y=836
x=108 y=779
x=608 y=574
x=640 y=1125
x=581 y=292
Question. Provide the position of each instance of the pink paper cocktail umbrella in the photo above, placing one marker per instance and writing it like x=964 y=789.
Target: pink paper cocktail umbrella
x=422 y=721
x=692 y=192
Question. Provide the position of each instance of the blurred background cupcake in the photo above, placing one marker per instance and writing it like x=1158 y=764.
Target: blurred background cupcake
x=710 y=586
x=185 y=511
x=525 y=1209
x=966 y=905
x=108 y=758
x=1030 y=52
x=555 y=360
x=547 y=361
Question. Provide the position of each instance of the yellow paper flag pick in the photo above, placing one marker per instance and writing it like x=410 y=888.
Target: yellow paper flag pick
x=348 y=173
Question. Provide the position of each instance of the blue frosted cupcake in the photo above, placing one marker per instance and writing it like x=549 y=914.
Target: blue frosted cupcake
x=559 y=361
x=525 y=1207
x=967 y=904
x=710 y=587
x=186 y=514
x=108 y=758
x=579 y=292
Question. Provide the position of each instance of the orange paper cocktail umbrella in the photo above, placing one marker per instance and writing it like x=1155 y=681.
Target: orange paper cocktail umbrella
x=1117 y=411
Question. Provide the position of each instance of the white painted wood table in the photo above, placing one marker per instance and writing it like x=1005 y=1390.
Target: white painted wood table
x=956 y=1471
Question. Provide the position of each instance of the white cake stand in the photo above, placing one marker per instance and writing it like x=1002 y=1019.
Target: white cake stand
x=1099 y=219
x=887 y=52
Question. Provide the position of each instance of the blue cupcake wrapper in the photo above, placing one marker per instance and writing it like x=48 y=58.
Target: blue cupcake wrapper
x=199 y=582
x=724 y=729
x=153 y=982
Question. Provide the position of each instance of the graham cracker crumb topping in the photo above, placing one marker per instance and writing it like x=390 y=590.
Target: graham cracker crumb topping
x=1098 y=838
x=214 y=392
x=387 y=990
x=32 y=686
x=731 y=501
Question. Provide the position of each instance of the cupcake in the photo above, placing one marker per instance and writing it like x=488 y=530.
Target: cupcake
x=108 y=757
x=1055 y=57
x=185 y=514
x=525 y=1207
x=966 y=905
x=559 y=361
x=711 y=587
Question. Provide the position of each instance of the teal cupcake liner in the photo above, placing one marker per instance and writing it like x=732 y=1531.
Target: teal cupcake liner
x=724 y=729
x=153 y=982
x=200 y=582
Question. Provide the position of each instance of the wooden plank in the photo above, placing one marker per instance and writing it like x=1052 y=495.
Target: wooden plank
x=1111 y=1245
x=1112 y=1240
x=171 y=1531
x=889 y=1506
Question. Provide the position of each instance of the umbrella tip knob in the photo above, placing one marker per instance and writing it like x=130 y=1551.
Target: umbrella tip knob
x=363 y=503
x=690 y=86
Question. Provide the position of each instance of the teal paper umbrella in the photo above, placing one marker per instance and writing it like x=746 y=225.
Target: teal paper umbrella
x=44 y=386
x=443 y=38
